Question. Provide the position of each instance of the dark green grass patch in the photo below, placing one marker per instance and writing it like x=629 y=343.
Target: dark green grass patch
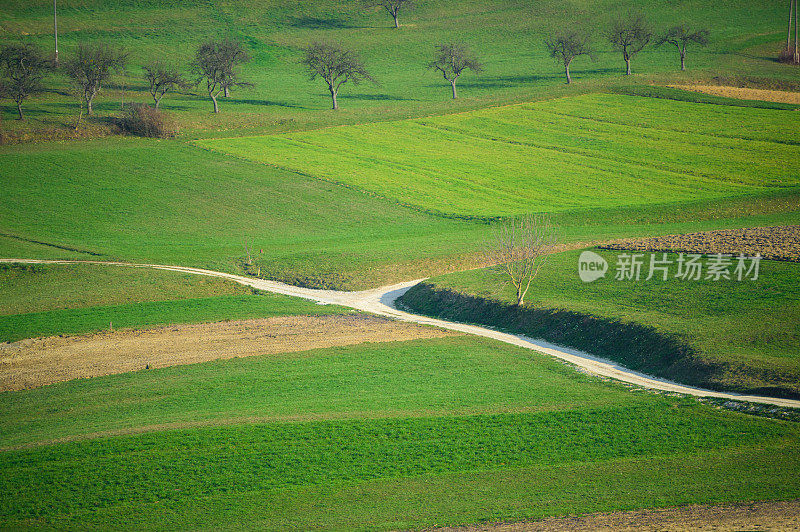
x=169 y=467
x=27 y=288
x=725 y=334
x=137 y=315
x=421 y=377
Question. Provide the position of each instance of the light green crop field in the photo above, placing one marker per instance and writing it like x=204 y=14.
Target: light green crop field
x=747 y=331
x=598 y=150
x=422 y=432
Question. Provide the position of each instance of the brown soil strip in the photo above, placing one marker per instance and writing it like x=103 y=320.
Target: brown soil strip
x=742 y=93
x=37 y=362
x=777 y=243
x=766 y=515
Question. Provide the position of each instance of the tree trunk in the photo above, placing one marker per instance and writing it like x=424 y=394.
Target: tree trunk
x=566 y=71
x=627 y=66
x=796 y=54
x=214 y=99
x=396 y=22
x=19 y=110
x=227 y=92
x=789 y=32
x=683 y=60
x=333 y=98
x=158 y=101
x=89 y=106
x=455 y=92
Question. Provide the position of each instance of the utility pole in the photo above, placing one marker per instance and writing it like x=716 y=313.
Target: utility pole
x=55 y=31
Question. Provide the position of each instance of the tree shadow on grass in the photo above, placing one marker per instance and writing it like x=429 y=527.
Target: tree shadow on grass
x=318 y=23
x=264 y=103
x=374 y=97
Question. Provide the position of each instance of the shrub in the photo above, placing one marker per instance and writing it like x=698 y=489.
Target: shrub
x=147 y=121
x=787 y=56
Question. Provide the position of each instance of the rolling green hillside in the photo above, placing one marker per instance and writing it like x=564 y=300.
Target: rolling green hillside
x=589 y=151
x=423 y=432
x=506 y=34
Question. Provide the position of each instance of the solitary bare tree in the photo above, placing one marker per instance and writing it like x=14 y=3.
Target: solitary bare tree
x=162 y=78
x=630 y=35
x=392 y=6
x=519 y=248
x=451 y=60
x=335 y=65
x=90 y=67
x=680 y=36
x=22 y=66
x=216 y=63
x=566 y=45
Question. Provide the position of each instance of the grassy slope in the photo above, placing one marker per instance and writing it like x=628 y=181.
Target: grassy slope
x=586 y=151
x=49 y=300
x=458 y=411
x=748 y=329
x=182 y=205
x=507 y=34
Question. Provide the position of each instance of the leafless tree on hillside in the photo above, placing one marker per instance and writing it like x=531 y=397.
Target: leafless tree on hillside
x=392 y=6
x=162 y=78
x=567 y=44
x=681 y=36
x=90 y=67
x=452 y=60
x=519 y=248
x=335 y=65
x=630 y=35
x=215 y=63
x=22 y=67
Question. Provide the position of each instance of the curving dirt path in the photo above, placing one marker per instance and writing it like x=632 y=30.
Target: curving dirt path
x=380 y=301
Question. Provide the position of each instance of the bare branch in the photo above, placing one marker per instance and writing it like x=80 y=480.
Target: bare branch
x=452 y=59
x=519 y=248
x=335 y=65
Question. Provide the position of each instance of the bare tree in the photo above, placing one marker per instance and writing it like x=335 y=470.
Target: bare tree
x=215 y=63
x=233 y=54
x=161 y=79
x=566 y=45
x=392 y=6
x=23 y=67
x=451 y=60
x=681 y=36
x=630 y=35
x=91 y=67
x=335 y=65
x=519 y=248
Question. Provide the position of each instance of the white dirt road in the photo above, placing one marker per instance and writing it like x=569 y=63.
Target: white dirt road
x=381 y=301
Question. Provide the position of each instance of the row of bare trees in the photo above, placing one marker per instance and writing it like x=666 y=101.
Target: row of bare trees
x=629 y=35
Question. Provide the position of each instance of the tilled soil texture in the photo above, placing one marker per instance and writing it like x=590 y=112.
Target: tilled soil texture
x=742 y=93
x=767 y=515
x=777 y=243
x=37 y=362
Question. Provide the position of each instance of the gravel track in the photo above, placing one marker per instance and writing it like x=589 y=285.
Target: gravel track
x=380 y=301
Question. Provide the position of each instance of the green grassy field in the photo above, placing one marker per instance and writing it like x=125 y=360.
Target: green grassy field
x=586 y=151
x=411 y=434
x=747 y=331
x=408 y=418
x=47 y=300
x=168 y=202
x=507 y=35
